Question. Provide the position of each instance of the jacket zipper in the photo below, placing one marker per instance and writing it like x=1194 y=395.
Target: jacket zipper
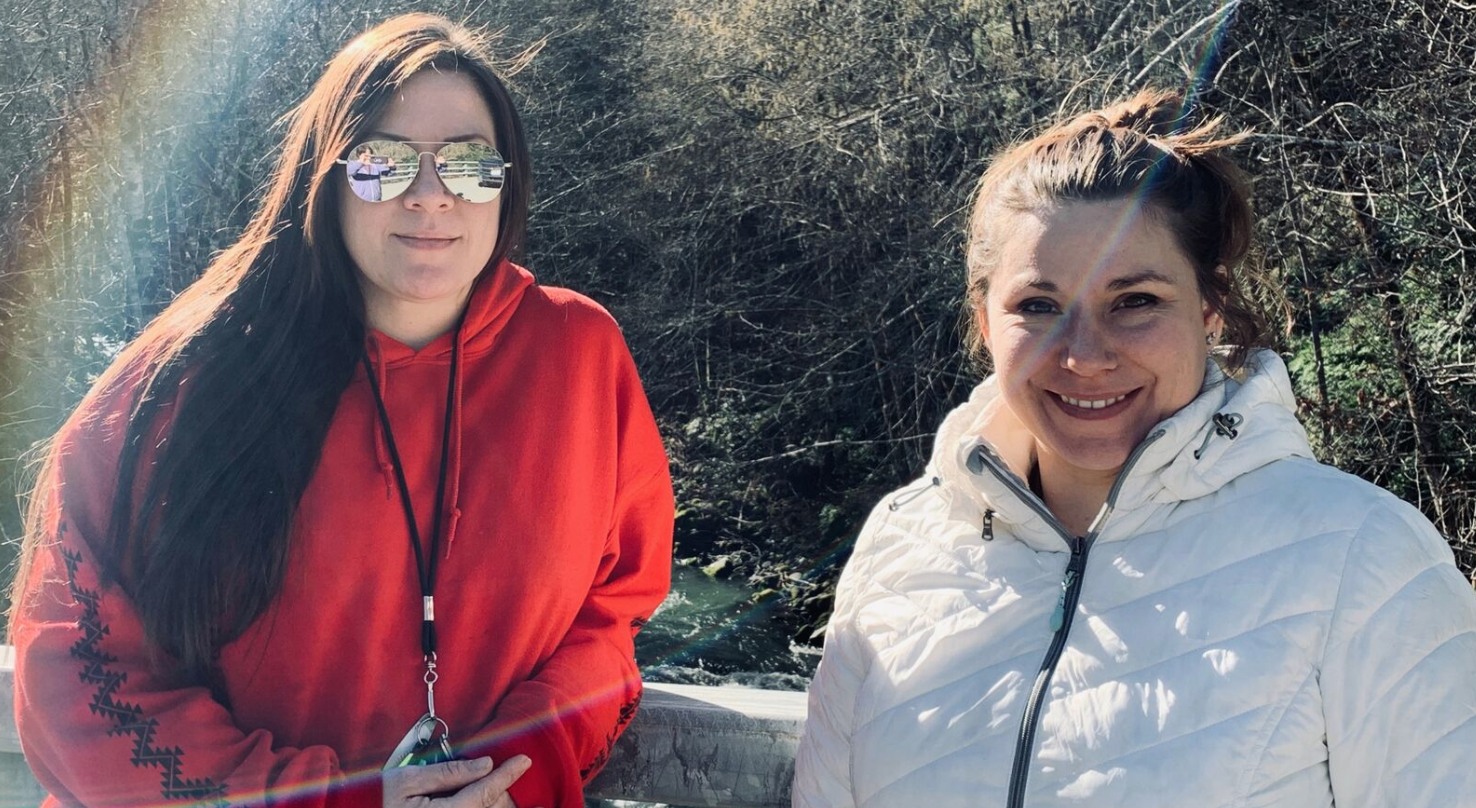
x=1065 y=611
x=1061 y=627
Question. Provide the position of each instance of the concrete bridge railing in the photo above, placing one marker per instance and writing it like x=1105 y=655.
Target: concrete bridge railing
x=688 y=745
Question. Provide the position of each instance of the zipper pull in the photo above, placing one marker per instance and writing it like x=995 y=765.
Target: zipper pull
x=1073 y=572
x=1058 y=615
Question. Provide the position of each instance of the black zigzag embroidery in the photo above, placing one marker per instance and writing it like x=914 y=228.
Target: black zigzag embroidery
x=128 y=719
x=627 y=712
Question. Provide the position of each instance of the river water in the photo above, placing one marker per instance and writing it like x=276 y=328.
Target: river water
x=710 y=632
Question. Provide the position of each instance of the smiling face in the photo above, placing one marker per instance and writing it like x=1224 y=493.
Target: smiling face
x=418 y=254
x=1097 y=330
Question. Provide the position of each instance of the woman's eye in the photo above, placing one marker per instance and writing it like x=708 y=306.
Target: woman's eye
x=1037 y=306
x=1138 y=301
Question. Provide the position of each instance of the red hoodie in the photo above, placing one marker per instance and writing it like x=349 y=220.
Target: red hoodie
x=558 y=547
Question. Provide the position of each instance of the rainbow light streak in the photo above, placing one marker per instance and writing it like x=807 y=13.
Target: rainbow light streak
x=159 y=69
x=313 y=789
x=160 y=80
x=69 y=268
x=1208 y=57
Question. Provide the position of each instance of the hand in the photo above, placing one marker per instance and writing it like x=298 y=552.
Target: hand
x=475 y=783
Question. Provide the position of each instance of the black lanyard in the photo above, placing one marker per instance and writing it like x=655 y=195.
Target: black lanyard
x=425 y=572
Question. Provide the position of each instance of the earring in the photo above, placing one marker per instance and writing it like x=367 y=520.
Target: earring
x=1209 y=339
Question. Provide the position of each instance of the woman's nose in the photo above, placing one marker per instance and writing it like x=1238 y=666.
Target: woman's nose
x=1086 y=346
x=427 y=191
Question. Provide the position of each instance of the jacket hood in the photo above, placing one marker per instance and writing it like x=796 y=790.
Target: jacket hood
x=1233 y=427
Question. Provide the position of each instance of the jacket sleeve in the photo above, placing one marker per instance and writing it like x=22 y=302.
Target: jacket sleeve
x=103 y=720
x=567 y=716
x=1399 y=672
x=822 y=767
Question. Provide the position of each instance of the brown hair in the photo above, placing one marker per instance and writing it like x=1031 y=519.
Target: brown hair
x=1141 y=148
x=264 y=342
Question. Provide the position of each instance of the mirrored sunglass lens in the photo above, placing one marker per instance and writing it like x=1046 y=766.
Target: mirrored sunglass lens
x=473 y=171
x=381 y=169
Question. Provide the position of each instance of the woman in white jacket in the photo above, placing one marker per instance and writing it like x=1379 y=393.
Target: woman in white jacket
x=1123 y=580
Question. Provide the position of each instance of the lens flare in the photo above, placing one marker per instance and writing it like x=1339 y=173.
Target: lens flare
x=1209 y=56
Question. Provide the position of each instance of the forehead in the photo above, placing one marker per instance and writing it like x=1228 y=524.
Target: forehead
x=1082 y=247
x=435 y=106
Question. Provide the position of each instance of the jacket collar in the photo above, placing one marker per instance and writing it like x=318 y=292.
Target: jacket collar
x=1233 y=427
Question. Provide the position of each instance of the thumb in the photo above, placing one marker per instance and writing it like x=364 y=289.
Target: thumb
x=491 y=791
x=440 y=777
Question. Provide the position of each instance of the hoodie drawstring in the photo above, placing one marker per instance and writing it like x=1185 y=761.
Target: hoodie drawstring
x=453 y=505
x=1227 y=425
x=908 y=496
x=381 y=453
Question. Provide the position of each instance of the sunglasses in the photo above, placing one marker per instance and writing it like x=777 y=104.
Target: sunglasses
x=381 y=170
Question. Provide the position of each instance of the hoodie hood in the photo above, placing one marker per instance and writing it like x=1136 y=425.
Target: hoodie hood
x=494 y=300
x=1233 y=427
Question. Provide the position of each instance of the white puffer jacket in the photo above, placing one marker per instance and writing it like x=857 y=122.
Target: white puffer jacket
x=1248 y=628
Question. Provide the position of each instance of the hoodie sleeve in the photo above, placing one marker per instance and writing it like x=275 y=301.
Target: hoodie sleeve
x=102 y=719
x=822 y=768
x=1399 y=673
x=567 y=716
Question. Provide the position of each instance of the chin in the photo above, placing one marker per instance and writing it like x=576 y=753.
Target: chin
x=1093 y=455
x=426 y=284
x=1102 y=445
x=1094 y=448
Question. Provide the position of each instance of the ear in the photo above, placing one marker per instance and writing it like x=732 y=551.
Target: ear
x=981 y=322
x=1214 y=323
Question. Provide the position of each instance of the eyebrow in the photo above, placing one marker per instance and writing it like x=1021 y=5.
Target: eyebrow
x=1124 y=282
x=1141 y=276
x=453 y=139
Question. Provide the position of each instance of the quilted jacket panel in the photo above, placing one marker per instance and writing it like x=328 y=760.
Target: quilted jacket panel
x=1253 y=629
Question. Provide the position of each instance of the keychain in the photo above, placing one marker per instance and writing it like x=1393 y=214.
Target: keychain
x=429 y=739
x=427 y=742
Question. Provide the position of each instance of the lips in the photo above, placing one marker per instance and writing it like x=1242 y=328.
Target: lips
x=425 y=241
x=1089 y=404
x=1093 y=407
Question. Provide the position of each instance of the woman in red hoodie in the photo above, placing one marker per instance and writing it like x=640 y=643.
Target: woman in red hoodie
x=364 y=482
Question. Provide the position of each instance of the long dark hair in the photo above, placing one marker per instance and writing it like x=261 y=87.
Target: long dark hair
x=233 y=386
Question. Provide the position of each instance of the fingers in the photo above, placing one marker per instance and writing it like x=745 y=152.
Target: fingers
x=420 y=781
x=490 y=791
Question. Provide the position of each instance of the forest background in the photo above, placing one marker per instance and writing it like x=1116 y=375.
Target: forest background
x=770 y=196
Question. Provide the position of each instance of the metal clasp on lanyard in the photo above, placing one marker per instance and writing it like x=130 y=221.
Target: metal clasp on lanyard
x=431 y=677
x=429 y=739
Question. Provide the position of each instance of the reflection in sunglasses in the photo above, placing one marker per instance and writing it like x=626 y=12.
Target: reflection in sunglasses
x=383 y=169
